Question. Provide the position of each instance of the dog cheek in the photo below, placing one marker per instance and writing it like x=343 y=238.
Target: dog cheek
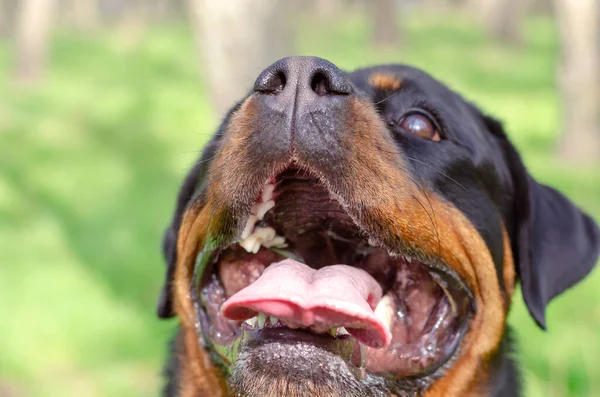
x=487 y=327
x=196 y=373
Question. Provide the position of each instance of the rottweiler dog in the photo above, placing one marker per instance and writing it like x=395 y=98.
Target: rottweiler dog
x=358 y=235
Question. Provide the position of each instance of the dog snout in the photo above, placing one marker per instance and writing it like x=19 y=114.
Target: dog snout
x=302 y=104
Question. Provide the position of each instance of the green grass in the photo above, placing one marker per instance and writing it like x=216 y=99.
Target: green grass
x=91 y=159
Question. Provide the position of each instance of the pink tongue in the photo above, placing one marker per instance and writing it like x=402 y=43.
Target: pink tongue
x=300 y=296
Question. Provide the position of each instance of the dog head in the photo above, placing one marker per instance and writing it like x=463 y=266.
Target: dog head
x=360 y=234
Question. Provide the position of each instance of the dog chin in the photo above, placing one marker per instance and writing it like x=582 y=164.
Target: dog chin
x=282 y=369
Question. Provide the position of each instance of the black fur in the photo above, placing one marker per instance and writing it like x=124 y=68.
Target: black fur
x=506 y=377
x=171 y=369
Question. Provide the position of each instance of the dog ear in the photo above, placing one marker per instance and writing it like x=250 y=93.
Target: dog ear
x=554 y=243
x=187 y=192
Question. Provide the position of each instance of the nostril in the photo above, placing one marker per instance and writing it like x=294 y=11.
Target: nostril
x=326 y=83
x=274 y=84
x=277 y=83
x=320 y=84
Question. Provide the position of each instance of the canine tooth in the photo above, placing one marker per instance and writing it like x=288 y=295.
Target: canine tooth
x=263 y=208
x=385 y=310
x=252 y=219
x=274 y=320
x=261 y=319
x=342 y=331
x=251 y=321
x=333 y=332
x=267 y=193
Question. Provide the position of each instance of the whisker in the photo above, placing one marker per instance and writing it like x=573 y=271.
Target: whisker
x=435 y=224
x=208 y=133
x=438 y=171
x=431 y=215
x=205 y=160
x=188 y=151
x=388 y=97
x=427 y=165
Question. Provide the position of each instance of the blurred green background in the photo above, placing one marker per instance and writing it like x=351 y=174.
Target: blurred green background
x=92 y=155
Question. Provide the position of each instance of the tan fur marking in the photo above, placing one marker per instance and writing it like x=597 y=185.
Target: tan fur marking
x=199 y=377
x=385 y=81
x=509 y=270
x=197 y=369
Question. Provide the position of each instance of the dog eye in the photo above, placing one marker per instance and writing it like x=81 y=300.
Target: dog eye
x=421 y=125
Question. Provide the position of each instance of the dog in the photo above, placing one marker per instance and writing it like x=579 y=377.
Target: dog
x=360 y=234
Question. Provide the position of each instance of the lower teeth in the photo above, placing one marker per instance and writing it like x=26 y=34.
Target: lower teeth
x=261 y=320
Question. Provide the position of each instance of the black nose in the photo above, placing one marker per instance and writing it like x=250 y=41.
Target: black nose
x=306 y=76
x=300 y=106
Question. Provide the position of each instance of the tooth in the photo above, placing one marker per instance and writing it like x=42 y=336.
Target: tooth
x=263 y=208
x=267 y=193
x=251 y=321
x=261 y=236
x=248 y=243
x=261 y=319
x=268 y=238
x=274 y=320
x=385 y=311
x=264 y=233
x=252 y=219
x=333 y=332
x=277 y=242
x=342 y=331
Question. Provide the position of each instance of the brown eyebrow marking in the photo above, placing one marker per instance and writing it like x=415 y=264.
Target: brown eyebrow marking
x=385 y=81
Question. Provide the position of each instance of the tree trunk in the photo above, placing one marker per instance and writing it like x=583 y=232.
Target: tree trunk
x=579 y=78
x=132 y=23
x=502 y=18
x=328 y=8
x=8 y=12
x=438 y=5
x=34 y=23
x=84 y=14
x=164 y=10
x=385 y=23
x=542 y=7
x=3 y=18
x=236 y=40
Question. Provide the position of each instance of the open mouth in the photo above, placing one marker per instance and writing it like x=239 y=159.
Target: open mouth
x=303 y=271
